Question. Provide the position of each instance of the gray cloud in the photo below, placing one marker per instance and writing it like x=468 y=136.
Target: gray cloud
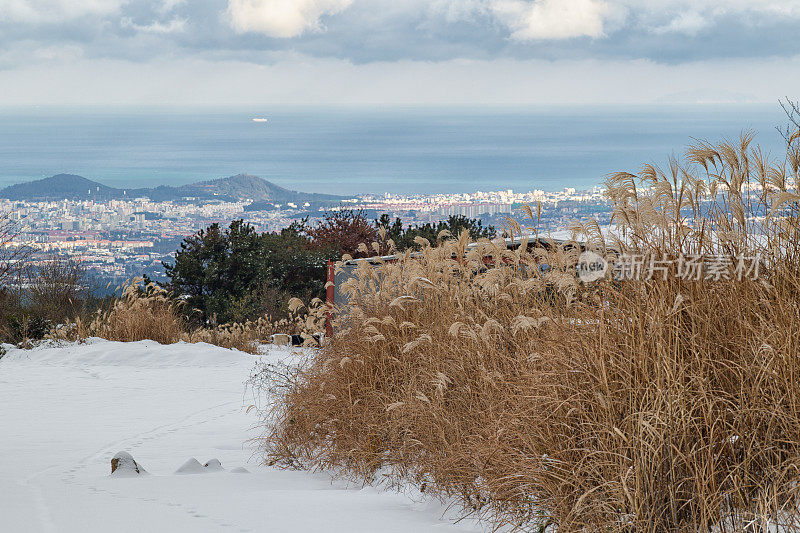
x=364 y=31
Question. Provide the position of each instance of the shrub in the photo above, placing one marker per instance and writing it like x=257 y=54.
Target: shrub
x=145 y=311
x=341 y=232
x=58 y=289
x=42 y=296
x=248 y=335
x=139 y=314
x=644 y=405
x=21 y=325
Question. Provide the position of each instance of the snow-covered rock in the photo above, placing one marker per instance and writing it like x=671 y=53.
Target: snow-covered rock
x=124 y=465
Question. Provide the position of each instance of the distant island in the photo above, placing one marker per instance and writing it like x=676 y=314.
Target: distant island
x=234 y=188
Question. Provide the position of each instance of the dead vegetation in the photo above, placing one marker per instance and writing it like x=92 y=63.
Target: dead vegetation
x=148 y=312
x=660 y=404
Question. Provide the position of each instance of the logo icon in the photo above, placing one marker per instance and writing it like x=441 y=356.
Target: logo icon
x=591 y=267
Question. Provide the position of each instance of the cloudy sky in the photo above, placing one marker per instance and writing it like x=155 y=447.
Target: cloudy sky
x=397 y=51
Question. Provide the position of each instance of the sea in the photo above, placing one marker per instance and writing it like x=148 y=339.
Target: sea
x=355 y=150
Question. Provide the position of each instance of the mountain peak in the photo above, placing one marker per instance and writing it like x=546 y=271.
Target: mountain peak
x=238 y=178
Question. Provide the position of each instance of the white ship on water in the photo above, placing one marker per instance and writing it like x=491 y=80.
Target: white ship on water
x=260 y=119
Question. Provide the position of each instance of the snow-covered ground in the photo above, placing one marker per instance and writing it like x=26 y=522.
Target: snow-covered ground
x=66 y=411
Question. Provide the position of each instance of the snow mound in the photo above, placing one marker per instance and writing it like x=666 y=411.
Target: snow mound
x=192 y=466
x=240 y=470
x=213 y=465
x=124 y=465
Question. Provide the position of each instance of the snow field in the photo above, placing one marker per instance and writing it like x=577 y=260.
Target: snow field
x=65 y=411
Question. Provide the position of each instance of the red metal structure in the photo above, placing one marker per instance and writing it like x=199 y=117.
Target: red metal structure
x=329 y=295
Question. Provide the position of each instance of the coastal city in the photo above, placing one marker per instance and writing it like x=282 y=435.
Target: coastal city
x=117 y=239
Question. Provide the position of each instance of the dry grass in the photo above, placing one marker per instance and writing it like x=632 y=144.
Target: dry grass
x=140 y=313
x=148 y=312
x=538 y=401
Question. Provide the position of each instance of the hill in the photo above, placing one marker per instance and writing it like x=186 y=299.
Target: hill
x=59 y=187
x=233 y=188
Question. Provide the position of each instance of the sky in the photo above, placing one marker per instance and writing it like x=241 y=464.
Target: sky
x=397 y=52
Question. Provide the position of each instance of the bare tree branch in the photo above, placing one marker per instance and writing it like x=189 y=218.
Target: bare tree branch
x=792 y=110
x=14 y=254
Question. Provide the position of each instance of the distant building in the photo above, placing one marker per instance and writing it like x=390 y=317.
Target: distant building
x=475 y=210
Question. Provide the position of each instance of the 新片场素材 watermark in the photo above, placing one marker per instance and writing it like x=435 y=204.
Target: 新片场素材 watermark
x=692 y=267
